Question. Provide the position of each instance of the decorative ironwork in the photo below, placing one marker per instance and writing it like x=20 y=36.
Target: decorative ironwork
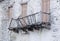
x=30 y=23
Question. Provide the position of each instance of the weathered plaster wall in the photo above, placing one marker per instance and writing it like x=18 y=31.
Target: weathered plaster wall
x=55 y=8
x=3 y=16
x=45 y=35
x=33 y=6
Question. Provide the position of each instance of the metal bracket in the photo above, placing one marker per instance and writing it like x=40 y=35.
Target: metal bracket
x=46 y=25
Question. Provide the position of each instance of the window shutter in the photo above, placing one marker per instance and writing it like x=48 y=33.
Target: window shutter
x=24 y=13
x=10 y=11
x=46 y=12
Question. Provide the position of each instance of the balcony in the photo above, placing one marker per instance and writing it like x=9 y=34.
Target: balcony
x=28 y=23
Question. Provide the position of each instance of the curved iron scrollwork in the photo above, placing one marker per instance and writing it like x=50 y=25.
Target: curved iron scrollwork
x=30 y=26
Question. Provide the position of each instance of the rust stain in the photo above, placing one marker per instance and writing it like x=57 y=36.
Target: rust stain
x=9 y=12
x=45 y=8
x=24 y=13
x=24 y=10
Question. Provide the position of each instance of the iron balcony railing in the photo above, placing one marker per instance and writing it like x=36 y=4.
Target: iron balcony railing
x=28 y=23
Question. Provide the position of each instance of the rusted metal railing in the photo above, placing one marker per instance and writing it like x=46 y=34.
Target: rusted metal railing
x=30 y=23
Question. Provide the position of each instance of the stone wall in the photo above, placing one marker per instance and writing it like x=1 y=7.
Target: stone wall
x=33 y=6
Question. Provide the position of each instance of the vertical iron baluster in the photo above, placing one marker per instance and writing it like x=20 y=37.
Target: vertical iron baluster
x=31 y=19
x=24 y=20
x=10 y=22
x=28 y=20
x=39 y=17
x=20 y=21
x=18 y=25
x=49 y=18
x=34 y=18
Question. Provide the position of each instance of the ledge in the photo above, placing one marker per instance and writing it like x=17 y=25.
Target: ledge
x=31 y=27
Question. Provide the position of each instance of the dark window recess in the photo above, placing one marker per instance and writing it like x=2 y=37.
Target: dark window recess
x=1 y=0
x=31 y=24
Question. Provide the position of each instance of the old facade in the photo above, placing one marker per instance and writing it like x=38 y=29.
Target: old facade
x=13 y=8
